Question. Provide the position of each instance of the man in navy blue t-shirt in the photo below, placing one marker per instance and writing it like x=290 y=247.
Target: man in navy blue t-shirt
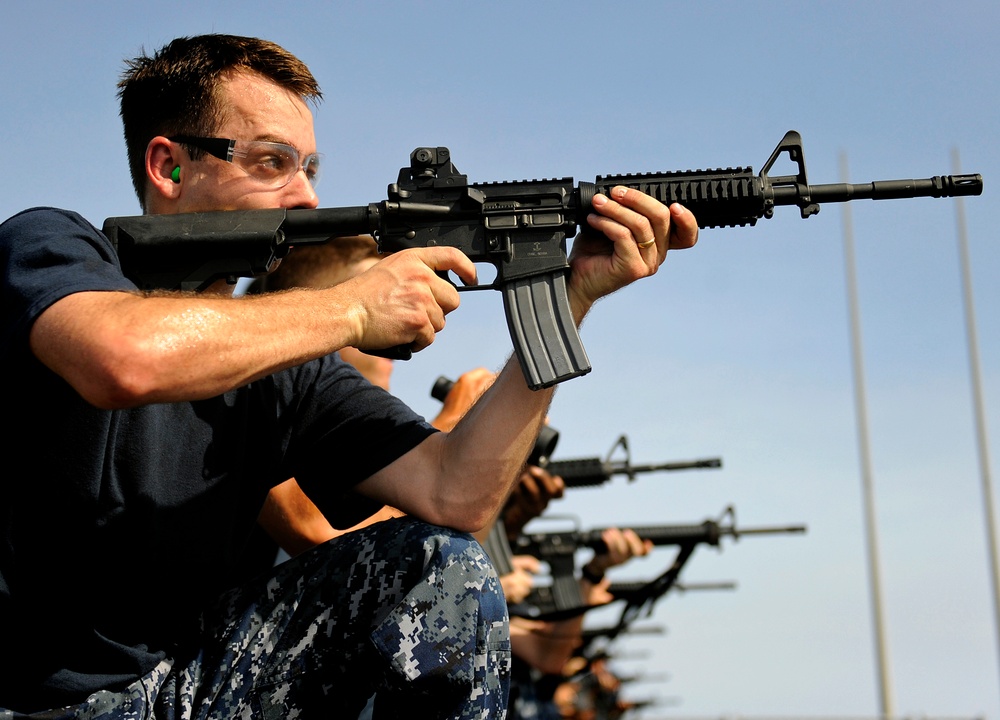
x=167 y=417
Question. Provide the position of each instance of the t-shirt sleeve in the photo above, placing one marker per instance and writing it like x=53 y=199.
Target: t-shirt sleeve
x=346 y=430
x=48 y=254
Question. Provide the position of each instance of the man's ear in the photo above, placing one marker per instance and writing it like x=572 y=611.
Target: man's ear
x=164 y=170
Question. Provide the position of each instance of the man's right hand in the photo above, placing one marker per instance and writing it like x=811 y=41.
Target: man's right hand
x=402 y=300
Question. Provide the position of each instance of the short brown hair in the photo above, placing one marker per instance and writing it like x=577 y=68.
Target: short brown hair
x=174 y=92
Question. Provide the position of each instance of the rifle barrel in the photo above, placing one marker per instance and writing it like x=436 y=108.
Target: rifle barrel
x=709 y=532
x=592 y=471
x=628 y=588
x=937 y=186
x=764 y=530
x=682 y=465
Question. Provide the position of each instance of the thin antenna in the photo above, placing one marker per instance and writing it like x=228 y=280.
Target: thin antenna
x=864 y=449
x=989 y=505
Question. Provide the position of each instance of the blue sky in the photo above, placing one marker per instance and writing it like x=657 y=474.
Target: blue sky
x=738 y=348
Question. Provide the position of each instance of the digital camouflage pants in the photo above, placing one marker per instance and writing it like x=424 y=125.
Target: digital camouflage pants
x=406 y=611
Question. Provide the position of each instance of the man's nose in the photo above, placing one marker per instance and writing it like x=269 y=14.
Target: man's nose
x=301 y=193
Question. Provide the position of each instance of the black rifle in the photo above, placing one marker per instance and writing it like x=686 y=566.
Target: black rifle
x=629 y=705
x=636 y=589
x=593 y=471
x=553 y=545
x=591 y=634
x=520 y=227
x=545 y=443
x=562 y=598
x=644 y=678
x=607 y=654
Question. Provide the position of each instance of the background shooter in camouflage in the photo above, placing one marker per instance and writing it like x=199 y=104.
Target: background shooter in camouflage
x=170 y=416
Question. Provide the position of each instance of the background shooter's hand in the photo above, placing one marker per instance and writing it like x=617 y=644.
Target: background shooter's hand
x=463 y=395
x=517 y=584
x=534 y=490
x=623 y=545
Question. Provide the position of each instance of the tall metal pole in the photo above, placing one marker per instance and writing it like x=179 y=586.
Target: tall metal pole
x=989 y=506
x=868 y=491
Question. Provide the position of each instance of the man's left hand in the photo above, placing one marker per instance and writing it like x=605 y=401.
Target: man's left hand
x=631 y=233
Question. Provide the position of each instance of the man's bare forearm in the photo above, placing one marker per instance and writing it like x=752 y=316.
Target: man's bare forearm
x=459 y=479
x=122 y=349
x=500 y=428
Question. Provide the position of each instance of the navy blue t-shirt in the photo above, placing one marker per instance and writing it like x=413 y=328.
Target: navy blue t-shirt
x=126 y=523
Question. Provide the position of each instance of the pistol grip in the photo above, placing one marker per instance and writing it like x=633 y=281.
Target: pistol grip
x=397 y=352
x=541 y=326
